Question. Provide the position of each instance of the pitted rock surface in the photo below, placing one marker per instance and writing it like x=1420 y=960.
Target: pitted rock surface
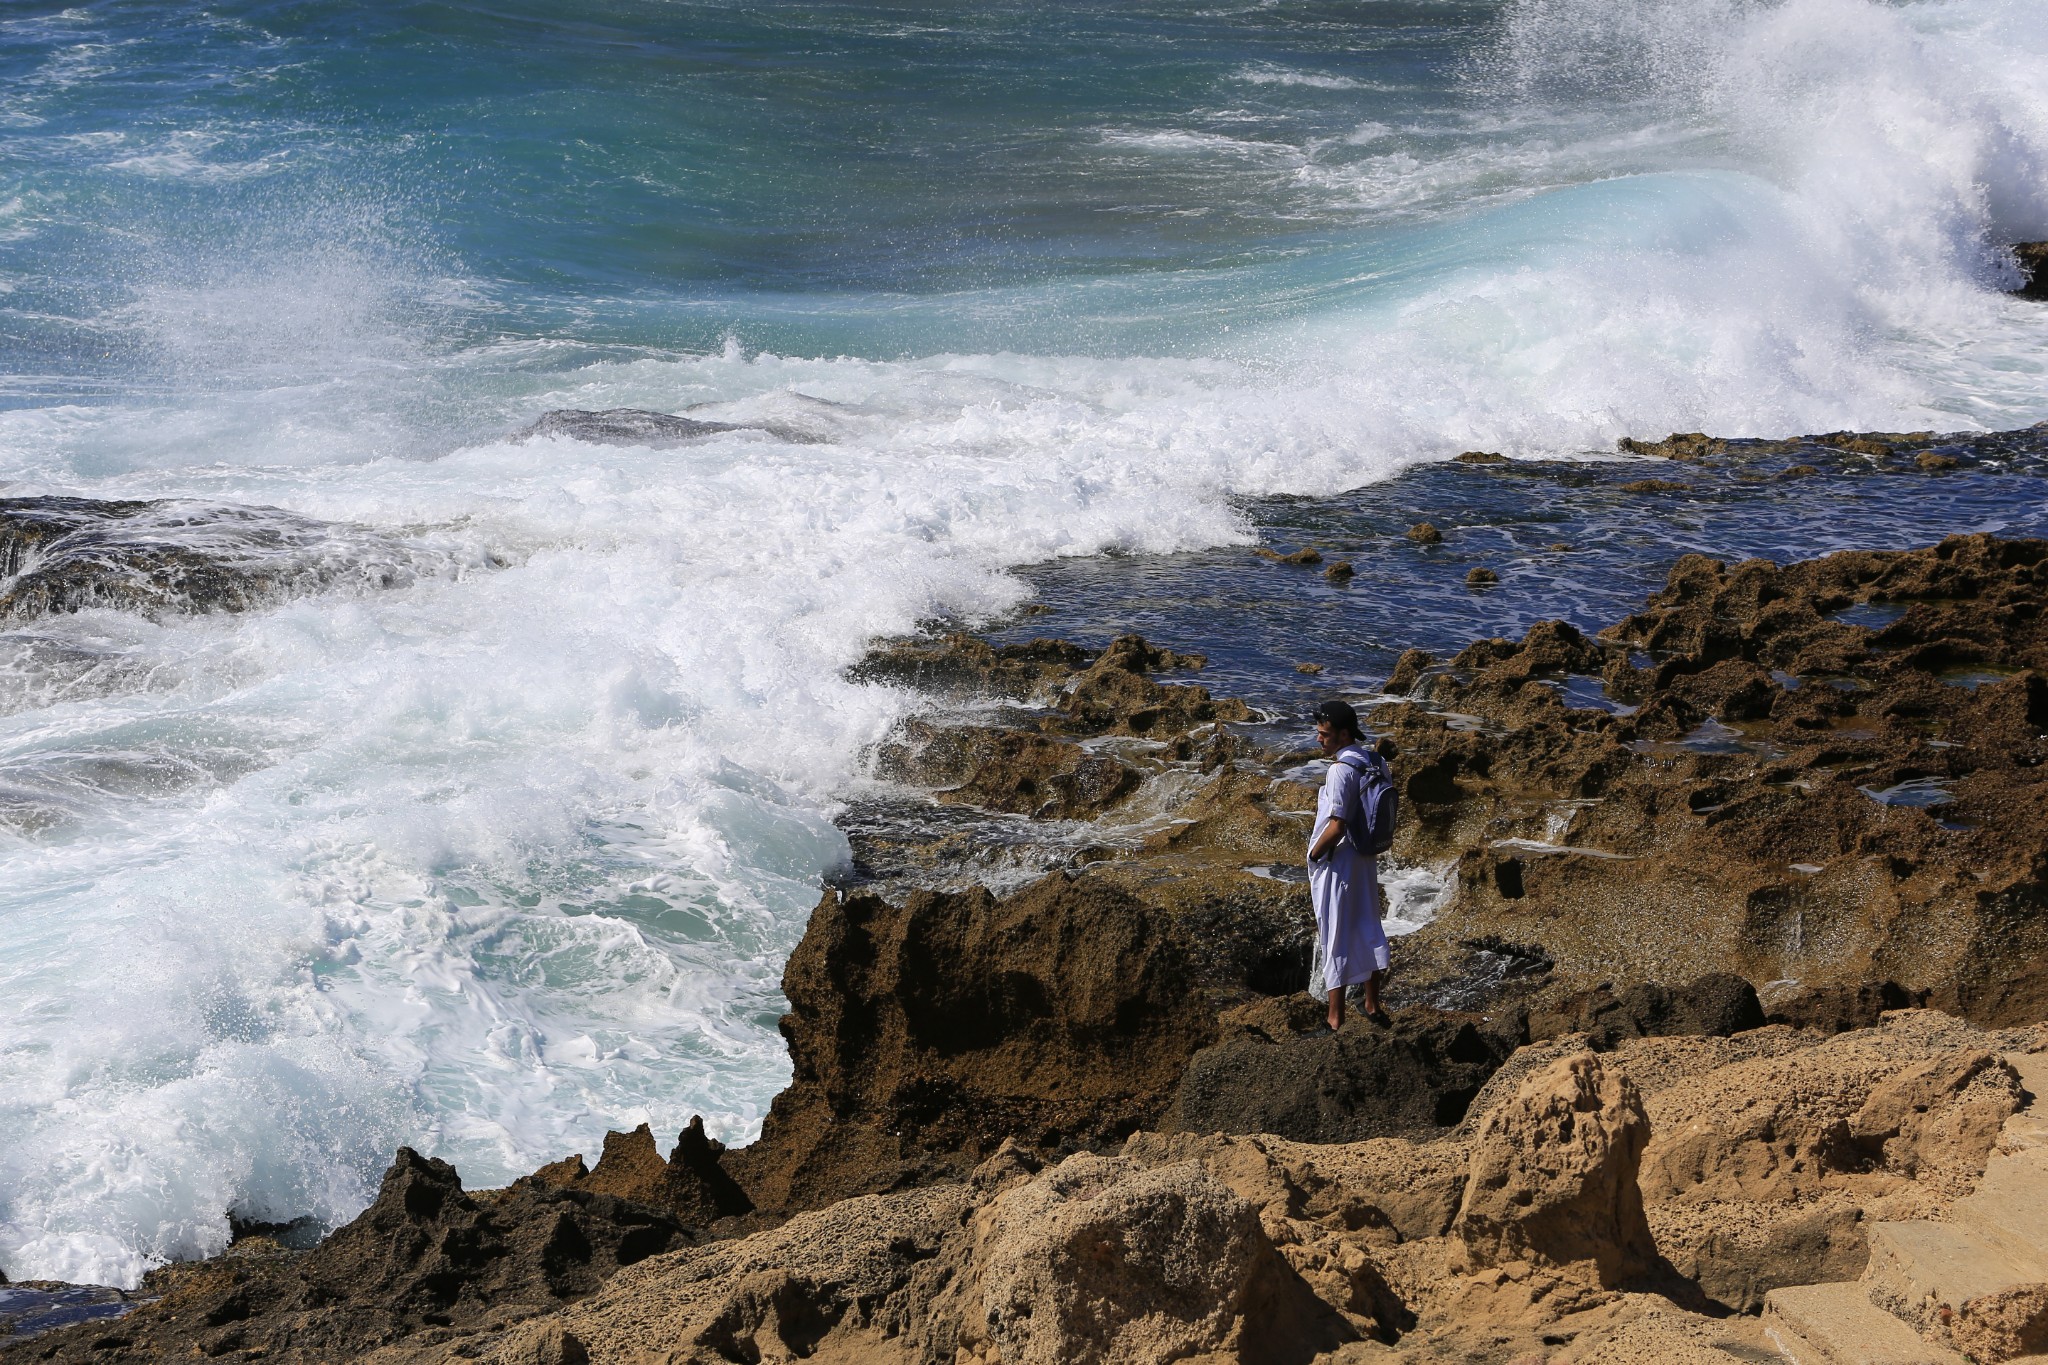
x=425 y=1258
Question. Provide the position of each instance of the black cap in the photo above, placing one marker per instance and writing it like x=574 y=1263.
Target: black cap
x=1339 y=716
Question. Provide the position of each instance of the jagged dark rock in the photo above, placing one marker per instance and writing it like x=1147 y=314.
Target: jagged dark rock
x=1366 y=1081
x=959 y=663
x=2033 y=263
x=691 y=1185
x=425 y=1255
x=1713 y=1006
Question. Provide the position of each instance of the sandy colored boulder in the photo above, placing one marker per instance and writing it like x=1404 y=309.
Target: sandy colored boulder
x=1099 y=1262
x=1553 y=1176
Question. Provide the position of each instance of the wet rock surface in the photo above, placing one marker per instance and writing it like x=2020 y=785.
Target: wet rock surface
x=1824 y=776
x=639 y=427
x=61 y=554
x=34 y=1307
x=2033 y=263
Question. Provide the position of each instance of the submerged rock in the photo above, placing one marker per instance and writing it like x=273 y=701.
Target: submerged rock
x=621 y=427
x=1679 y=445
x=959 y=663
x=62 y=554
x=1307 y=556
x=639 y=427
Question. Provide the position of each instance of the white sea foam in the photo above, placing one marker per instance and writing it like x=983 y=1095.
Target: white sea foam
x=1268 y=73
x=513 y=852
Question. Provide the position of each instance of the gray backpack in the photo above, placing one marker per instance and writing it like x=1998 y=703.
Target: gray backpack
x=1371 y=823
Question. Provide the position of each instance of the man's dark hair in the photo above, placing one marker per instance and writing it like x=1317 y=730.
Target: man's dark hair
x=1338 y=715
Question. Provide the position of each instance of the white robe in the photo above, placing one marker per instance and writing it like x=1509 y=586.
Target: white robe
x=1350 y=944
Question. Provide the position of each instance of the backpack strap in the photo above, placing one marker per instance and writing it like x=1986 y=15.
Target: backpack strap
x=1373 y=763
x=1371 y=769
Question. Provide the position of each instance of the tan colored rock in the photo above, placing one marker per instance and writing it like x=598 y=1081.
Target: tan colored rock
x=1880 y=1106
x=2003 y=1326
x=1102 y=1262
x=1767 y=1170
x=1773 y=843
x=816 y=1282
x=1553 y=1176
x=1941 y=1114
x=1384 y=1191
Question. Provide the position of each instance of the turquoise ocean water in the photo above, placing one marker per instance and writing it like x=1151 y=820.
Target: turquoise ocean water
x=504 y=843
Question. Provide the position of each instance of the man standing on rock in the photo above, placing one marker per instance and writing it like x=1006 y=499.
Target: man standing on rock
x=1343 y=881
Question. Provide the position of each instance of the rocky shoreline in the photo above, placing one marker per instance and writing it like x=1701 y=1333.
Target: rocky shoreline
x=1734 y=957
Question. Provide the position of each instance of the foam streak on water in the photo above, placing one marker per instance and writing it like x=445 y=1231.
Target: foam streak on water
x=512 y=849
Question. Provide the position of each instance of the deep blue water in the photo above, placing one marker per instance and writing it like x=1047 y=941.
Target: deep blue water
x=501 y=839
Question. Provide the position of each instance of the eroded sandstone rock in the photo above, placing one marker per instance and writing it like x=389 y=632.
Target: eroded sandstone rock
x=1553 y=1176
x=691 y=1184
x=1100 y=1263
x=924 y=1034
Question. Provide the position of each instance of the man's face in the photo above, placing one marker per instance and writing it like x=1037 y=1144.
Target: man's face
x=1328 y=739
